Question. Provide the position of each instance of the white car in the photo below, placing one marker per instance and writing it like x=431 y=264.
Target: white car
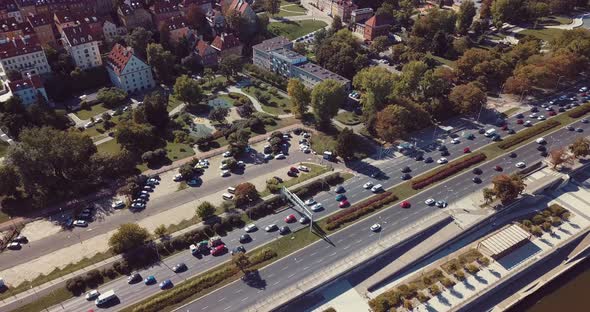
x=540 y=141
x=92 y=294
x=375 y=227
x=88 y=125
x=377 y=188
x=533 y=115
x=271 y=227
x=227 y=154
x=250 y=228
x=429 y=201
x=310 y=202
x=306 y=150
x=80 y=223
x=368 y=185
x=117 y=204
x=13 y=245
x=225 y=173
x=177 y=177
x=280 y=156
x=520 y=164
x=317 y=207
x=442 y=161
x=241 y=164
x=541 y=117
x=223 y=166
x=528 y=123
x=455 y=141
x=302 y=168
x=583 y=89
x=267 y=156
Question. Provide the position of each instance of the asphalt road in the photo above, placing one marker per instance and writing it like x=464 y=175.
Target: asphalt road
x=237 y=296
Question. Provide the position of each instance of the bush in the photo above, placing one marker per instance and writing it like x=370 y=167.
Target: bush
x=485 y=261
x=93 y=278
x=546 y=226
x=110 y=273
x=76 y=285
x=426 y=280
x=360 y=209
x=538 y=219
x=422 y=297
x=447 y=171
x=566 y=216
x=535 y=230
x=580 y=111
x=447 y=282
x=379 y=304
x=434 y=290
x=527 y=223
x=459 y=275
x=408 y=304
x=528 y=133
x=472 y=268
x=556 y=209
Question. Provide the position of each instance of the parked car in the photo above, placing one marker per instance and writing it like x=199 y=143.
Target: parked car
x=80 y=223
x=317 y=207
x=442 y=160
x=368 y=185
x=310 y=202
x=271 y=227
x=250 y=228
x=376 y=227
x=290 y=218
x=303 y=168
x=405 y=204
x=498 y=168
x=245 y=238
x=476 y=180
x=339 y=189
x=92 y=294
x=344 y=203
x=284 y=230
x=218 y=250
x=166 y=284
x=280 y=156
x=377 y=188
x=520 y=164
x=13 y=245
x=466 y=150
x=180 y=267
x=149 y=280
x=441 y=204
x=134 y=278
x=238 y=249
x=430 y=201
x=304 y=220
x=340 y=197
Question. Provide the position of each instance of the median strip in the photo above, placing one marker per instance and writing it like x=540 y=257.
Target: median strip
x=528 y=133
x=447 y=171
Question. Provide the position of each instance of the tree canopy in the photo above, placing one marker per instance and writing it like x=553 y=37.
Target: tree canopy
x=128 y=237
x=326 y=98
x=300 y=97
x=187 y=90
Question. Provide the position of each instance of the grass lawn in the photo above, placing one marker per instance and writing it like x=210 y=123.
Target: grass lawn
x=321 y=142
x=172 y=103
x=276 y=105
x=546 y=34
x=292 y=30
x=348 y=118
x=292 y=10
x=555 y=20
x=109 y=147
x=3 y=148
x=441 y=60
x=178 y=151
x=93 y=111
x=314 y=171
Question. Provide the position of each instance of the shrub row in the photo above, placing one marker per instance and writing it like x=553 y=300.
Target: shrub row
x=528 y=133
x=448 y=171
x=200 y=283
x=580 y=111
x=360 y=209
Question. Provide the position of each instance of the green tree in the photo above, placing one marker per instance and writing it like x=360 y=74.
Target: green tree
x=409 y=82
x=128 y=237
x=579 y=148
x=467 y=98
x=111 y=97
x=346 y=143
x=187 y=90
x=155 y=107
x=300 y=97
x=136 y=138
x=391 y=123
x=241 y=261
x=339 y=54
x=161 y=60
x=205 y=210
x=238 y=141
x=161 y=231
x=138 y=39
x=326 y=98
x=488 y=195
x=187 y=171
x=246 y=194
x=219 y=114
x=10 y=181
x=336 y=24
x=230 y=65
x=375 y=80
x=379 y=44
x=436 y=20
x=465 y=16
x=272 y=6
x=508 y=11
x=13 y=75
x=507 y=188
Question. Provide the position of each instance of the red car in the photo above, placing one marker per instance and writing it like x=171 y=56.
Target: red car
x=552 y=113
x=293 y=169
x=466 y=150
x=344 y=203
x=218 y=250
x=290 y=218
x=406 y=204
x=498 y=168
x=519 y=121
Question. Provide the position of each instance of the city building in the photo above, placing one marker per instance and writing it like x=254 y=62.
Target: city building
x=104 y=6
x=360 y=15
x=43 y=26
x=178 y=28
x=63 y=19
x=110 y=30
x=216 y=21
x=206 y=53
x=376 y=26
x=243 y=9
x=342 y=8
x=9 y=9
x=203 y=5
x=132 y=15
x=163 y=10
x=127 y=71
x=227 y=44
x=28 y=89
x=11 y=28
x=23 y=54
x=82 y=46
x=276 y=55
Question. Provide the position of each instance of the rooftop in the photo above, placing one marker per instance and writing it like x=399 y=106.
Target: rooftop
x=504 y=240
x=19 y=46
x=272 y=44
x=286 y=53
x=225 y=41
x=10 y=24
x=129 y=7
x=165 y=6
x=321 y=72
x=119 y=57
x=39 y=20
x=33 y=81
x=79 y=34
x=176 y=22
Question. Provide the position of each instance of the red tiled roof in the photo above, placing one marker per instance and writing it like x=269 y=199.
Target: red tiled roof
x=79 y=34
x=239 y=5
x=128 y=9
x=77 y=17
x=378 y=20
x=39 y=19
x=119 y=57
x=19 y=46
x=10 y=24
x=202 y=47
x=225 y=41
x=32 y=81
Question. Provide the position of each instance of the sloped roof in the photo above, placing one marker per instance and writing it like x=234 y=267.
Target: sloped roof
x=39 y=19
x=11 y=24
x=19 y=46
x=202 y=47
x=119 y=57
x=239 y=5
x=225 y=41
x=33 y=81
x=378 y=20
x=165 y=6
x=176 y=22
x=79 y=34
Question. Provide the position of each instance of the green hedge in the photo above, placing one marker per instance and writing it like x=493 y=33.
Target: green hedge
x=199 y=283
x=528 y=133
x=447 y=171
x=360 y=209
x=579 y=111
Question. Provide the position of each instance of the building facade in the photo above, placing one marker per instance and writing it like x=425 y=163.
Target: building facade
x=127 y=71
x=24 y=55
x=43 y=27
x=82 y=46
x=360 y=15
x=163 y=10
x=206 y=53
x=132 y=15
x=376 y=26
x=28 y=89
x=227 y=44
x=276 y=55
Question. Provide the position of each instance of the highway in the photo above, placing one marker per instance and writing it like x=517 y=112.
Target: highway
x=289 y=270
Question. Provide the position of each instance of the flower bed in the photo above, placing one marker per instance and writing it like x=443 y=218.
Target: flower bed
x=579 y=111
x=447 y=171
x=528 y=133
x=360 y=209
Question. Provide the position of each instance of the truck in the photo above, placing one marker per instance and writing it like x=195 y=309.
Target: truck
x=106 y=297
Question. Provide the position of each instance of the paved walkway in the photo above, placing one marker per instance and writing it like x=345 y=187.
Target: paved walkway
x=256 y=103
x=577 y=22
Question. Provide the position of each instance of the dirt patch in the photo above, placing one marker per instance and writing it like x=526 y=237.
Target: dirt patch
x=37 y=230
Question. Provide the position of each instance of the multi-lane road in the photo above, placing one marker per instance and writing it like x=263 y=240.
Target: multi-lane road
x=237 y=296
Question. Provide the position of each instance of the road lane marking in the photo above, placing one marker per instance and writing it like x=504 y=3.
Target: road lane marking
x=291 y=275
x=205 y=307
x=313 y=254
x=346 y=247
x=221 y=299
x=332 y=254
x=226 y=308
x=239 y=291
x=275 y=283
x=244 y=299
x=270 y=275
x=284 y=268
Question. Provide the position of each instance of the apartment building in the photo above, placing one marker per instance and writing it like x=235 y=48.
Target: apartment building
x=132 y=14
x=43 y=26
x=127 y=71
x=82 y=46
x=23 y=54
x=9 y=9
x=163 y=10
x=28 y=89
x=11 y=28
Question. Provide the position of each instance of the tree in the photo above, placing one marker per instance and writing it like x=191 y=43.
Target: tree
x=136 y=138
x=161 y=231
x=339 y=54
x=300 y=47
x=138 y=39
x=465 y=16
x=162 y=61
x=507 y=188
x=128 y=237
x=164 y=34
x=485 y=9
x=196 y=18
x=10 y=181
x=488 y=195
x=155 y=108
x=272 y=6
x=467 y=98
x=326 y=98
x=187 y=171
x=507 y=11
x=391 y=123
x=241 y=261
x=336 y=24
x=219 y=114
x=230 y=65
x=245 y=194
x=187 y=90
x=579 y=148
x=300 y=97
x=436 y=20
x=133 y=185
x=111 y=97
x=205 y=210
x=191 y=63
x=379 y=44
x=559 y=157
x=238 y=141
x=346 y=143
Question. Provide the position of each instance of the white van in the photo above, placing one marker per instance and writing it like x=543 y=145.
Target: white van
x=106 y=297
x=227 y=196
x=490 y=132
x=231 y=189
x=540 y=141
x=377 y=188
